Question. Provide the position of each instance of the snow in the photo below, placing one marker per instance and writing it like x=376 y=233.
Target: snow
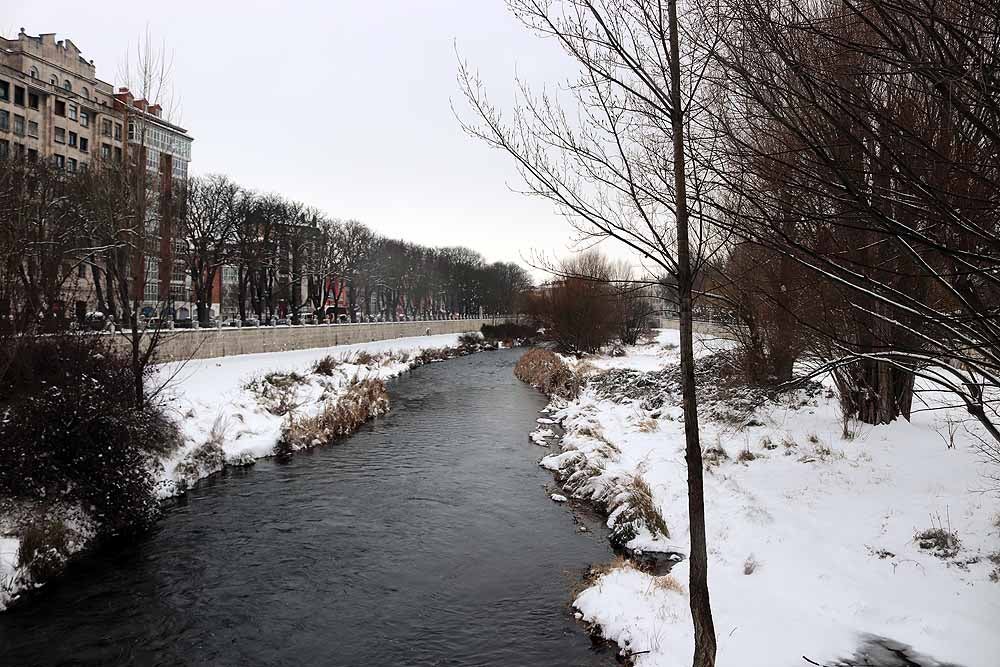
x=824 y=526
x=540 y=436
x=559 y=498
x=210 y=394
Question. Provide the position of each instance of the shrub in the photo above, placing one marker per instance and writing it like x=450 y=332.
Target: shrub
x=74 y=432
x=204 y=459
x=544 y=370
x=470 y=339
x=326 y=366
x=44 y=550
x=339 y=417
x=276 y=392
x=638 y=509
x=714 y=455
x=745 y=456
x=509 y=332
x=942 y=543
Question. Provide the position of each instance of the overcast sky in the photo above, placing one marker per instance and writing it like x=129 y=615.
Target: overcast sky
x=341 y=104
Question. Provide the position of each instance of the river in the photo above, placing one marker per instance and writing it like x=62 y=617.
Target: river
x=427 y=538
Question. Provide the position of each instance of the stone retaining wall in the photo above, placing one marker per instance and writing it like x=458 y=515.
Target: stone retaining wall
x=182 y=344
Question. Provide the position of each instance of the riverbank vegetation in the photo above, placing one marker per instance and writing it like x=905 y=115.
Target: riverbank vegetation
x=78 y=451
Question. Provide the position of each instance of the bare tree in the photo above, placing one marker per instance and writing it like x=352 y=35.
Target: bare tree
x=622 y=169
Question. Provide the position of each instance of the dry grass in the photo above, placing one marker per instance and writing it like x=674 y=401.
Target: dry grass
x=941 y=542
x=714 y=455
x=204 y=459
x=750 y=565
x=339 y=417
x=276 y=392
x=544 y=370
x=327 y=365
x=668 y=583
x=648 y=425
x=745 y=456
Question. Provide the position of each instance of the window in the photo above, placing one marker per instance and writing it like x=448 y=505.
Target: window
x=118 y=131
x=71 y=164
x=106 y=127
x=19 y=125
x=32 y=129
x=84 y=145
x=60 y=108
x=4 y=149
x=67 y=85
x=85 y=93
x=72 y=112
x=60 y=161
x=4 y=120
x=85 y=118
x=4 y=91
x=105 y=151
x=19 y=96
x=54 y=80
x=60 y=135
x=118 y=154
x=33 y=73
x=72 y=139
x=33 y=101
x=32 y=153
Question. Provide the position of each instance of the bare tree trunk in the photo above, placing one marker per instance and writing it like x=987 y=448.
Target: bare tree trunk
x=701 y=609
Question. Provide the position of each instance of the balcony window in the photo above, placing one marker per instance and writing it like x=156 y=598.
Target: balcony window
x=60 y=161
x=106 y=127
x=71 y=164
x=85 y=118
x=32 y=101
x=4 y=91
x=54 y=80
x=4 y=121
x=84 y=145
x=19 y=96
x=105 y=151
x=72 y=112
x=72 y=139
x=85 y=93
x=19 y=125
x=60 y=108
x=60 y=137
x=118 y=154
x=67 y=85
x=118 y=131
x=32 y=129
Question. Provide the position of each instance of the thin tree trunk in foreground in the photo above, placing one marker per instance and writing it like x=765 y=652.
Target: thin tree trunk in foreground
x=701 y=609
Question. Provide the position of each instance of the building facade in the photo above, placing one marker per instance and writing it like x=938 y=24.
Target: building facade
x=53 y=107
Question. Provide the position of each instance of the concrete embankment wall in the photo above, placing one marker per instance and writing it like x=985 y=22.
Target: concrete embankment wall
x=182 y=344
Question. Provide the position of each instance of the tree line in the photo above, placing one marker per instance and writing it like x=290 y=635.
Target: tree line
x=109 y=228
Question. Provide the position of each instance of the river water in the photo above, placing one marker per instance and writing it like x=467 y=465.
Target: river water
x=427 y=538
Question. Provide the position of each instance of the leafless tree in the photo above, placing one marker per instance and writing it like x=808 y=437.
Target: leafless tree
x=619 y=166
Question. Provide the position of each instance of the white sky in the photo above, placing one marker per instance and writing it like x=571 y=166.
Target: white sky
x=356 y=95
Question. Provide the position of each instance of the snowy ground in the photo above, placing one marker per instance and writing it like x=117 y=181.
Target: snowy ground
x=811 y=536
x=210 y=401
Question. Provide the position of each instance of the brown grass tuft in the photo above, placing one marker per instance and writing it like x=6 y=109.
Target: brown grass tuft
x=544 y=370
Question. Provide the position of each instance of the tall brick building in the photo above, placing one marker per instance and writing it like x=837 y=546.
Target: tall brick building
x=53 y=107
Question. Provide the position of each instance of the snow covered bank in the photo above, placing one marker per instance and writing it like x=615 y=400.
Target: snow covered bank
x=229 y=401
x=233 y=411
x=813 y=538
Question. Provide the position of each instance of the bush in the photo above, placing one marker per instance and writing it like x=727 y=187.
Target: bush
x=546 y=371
x=44 y=550
x=339 y=417
x=326 y=366
x=509 y=332
x=72 y=430
x=470 y=339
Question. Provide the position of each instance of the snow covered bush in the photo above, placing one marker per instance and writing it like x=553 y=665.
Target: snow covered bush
x=339 y=417
x=544 y=370
x=72 y=432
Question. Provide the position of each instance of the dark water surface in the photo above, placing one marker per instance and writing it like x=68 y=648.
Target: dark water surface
x=427 y=538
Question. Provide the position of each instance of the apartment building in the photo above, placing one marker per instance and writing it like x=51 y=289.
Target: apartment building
x=53 y=107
